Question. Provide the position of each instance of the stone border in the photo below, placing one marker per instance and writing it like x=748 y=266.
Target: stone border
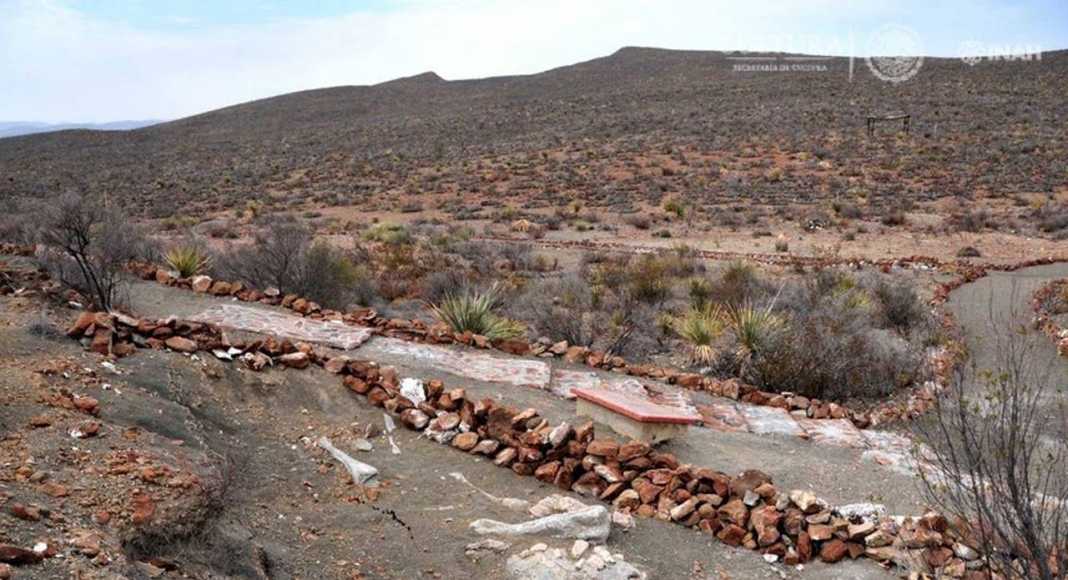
x=1044 y=320
x=744 y=511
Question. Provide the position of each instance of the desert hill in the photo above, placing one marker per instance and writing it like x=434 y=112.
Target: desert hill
x=994 y=126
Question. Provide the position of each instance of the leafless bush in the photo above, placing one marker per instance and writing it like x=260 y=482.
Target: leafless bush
x=273 y=259
x=87 y=245
x=283 y=256
x=559 y=309
x=1002 y=465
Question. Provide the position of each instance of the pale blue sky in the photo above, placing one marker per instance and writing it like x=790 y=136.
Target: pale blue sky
x=103 y=60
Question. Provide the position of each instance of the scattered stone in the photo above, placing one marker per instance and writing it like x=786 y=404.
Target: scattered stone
x=295 y=360
x=579 y=548
x=181 y=344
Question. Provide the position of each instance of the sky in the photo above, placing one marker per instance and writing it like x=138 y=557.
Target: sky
x=108 y=60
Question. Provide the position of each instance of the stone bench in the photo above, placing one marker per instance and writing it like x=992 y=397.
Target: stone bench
x=632 y=416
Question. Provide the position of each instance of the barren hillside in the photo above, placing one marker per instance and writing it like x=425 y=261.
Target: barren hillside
x=995 y=127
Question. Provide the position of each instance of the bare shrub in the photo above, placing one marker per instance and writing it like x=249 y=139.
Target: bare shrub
x=272 y=260
x=88 y=245
x=1001 y=466
x=559 y=309
x=283 y=256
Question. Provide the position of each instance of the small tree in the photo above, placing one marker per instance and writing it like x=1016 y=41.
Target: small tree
x=94 y=242
x=1000 y=463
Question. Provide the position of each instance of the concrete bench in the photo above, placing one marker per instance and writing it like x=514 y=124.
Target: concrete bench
x=632 y=416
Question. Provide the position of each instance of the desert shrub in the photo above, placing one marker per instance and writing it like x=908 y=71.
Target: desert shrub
x=559 y=309
x=476 y=312
x=999 y=458
x=827 y=335
x=971 y=220
x=737 y=284
x=284 y=256
x=89 y=243
x=700 y=292
x=899 y=307
x=327 y=276
x=700 y=327
x=782 y=245
x=676 y=207
x=187 y=259
x=1051 y=217
x=41 y=327
x=273 y=259
x=648 y=280
x=440 y=284
x=638 y=221
x=392 y=234
x=894 y=217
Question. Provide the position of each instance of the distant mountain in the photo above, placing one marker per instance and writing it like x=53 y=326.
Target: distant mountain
x=16 y=128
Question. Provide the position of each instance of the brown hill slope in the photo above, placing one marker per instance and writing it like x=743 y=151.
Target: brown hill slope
x=996 y=126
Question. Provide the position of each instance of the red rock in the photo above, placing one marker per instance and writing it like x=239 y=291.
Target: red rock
x=648 y=492
x=24 y=512
x=804 y=547
x=356 y=385
x=201 y=284
x=102 y=517
x=101 y=343
x=18 y=556
x=632 y=450
x=414 y=419
x=749 y=480
x=465 y=441
x=220 y=288
x=143 y=508
x=513 y=346
x=820 y=532
x=833 y=551
x=736 y=512
x=731 y=534
x=603 y=448
x=546 y=472
x=505 y=457
x=295 y=360
x=164 y=277
x=81 y=324
x=335 y=365
x=87 y=405
x=181 y=344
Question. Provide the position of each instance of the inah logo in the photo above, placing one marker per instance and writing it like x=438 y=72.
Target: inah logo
x=895 y=53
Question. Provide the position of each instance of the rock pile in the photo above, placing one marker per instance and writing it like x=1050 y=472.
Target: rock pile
x=747 y=510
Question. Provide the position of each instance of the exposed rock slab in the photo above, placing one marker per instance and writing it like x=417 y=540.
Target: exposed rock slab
x=263 y=321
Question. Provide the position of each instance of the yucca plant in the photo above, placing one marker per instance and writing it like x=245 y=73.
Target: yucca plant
x=700 y=327
x=187 y=260
x=753 y=327
x=476 y=312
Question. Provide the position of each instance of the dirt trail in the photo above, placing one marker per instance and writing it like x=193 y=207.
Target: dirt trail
x=1002 y=300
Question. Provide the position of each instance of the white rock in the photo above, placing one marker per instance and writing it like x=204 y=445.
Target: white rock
x=412 y=389
x=579 y=548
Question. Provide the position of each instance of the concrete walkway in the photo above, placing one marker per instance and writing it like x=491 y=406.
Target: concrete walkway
x=991 y=307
